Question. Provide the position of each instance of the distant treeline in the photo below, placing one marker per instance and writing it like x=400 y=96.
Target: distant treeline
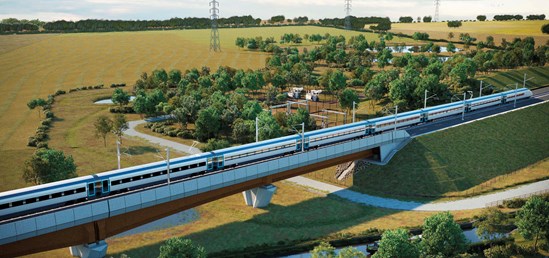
x=357 y=23
x=14 y=25
x=173 y=23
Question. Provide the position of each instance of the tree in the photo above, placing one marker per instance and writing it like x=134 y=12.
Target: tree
x=301 y=116
x=337 y=81
x=324 y=250
x=119 y=125
x=406 y=19
x=481 y=18
x=103 y=125
x=240 y=42
x=350 y=252
x=545 y=28
x=208 y=124
x=450 y=35
x=442 y=236
x=39 y=102
x=451 y=47
x=396 y=243
x=215 y=144
x=243 y=130
x=120 y=97
x=384 y=57
x=179 y=247
x=454 y=24
x=427 y=19
x=346 y=99
x=269 y=128
x=47 y=165
x=492 y=223
x=533 y=220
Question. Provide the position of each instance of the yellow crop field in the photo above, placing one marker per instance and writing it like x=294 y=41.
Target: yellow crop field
x=497 y=29
x=33 y=66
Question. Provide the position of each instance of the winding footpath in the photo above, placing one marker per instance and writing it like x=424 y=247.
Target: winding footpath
x=477 y=202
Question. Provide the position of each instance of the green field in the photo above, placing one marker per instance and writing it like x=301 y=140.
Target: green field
x=455 y=160
x=294 y=213
x=497 y=29
x=502 y=79
x=38 y=65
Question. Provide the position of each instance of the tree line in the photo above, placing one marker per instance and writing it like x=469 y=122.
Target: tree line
x=358 y=23
x=94 y=25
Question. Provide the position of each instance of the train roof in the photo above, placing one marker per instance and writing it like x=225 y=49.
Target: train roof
x=43 y=187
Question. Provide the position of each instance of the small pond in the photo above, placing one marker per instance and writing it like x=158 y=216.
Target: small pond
x=109 y=101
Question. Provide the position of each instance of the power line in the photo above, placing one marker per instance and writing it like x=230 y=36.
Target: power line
x=214 y=37
x=348 y=6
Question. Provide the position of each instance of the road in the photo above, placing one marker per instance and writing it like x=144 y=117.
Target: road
x=464 y=204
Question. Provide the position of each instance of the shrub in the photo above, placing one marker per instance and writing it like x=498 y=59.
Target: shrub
x=46 y=122
x=60 y=92
x=215 y=144
x=32 y=142
x=185 y=134
x=281 y=97
x=498 y=251
x=49 y=114
x=357 y=82
x=122 y=110
x=514 y=203
x=42 y=145
x=173 y=133
x=43 y=128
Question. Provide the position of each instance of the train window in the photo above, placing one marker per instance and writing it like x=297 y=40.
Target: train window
x=201 y=164
x=17 y=203
x=4 y=206
x=43 y=198
x=136 y=178
x=31 y=200
x=116 y=182
x=69 y=192
x=56 y=195
x=157 y=173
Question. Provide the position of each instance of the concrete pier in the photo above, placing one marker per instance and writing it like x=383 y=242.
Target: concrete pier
x=92 y=250
x=259 y=197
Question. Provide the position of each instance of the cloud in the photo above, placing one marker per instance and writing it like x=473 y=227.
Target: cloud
x=164 y=9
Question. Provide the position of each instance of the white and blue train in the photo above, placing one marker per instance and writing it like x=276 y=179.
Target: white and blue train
x=42 y=197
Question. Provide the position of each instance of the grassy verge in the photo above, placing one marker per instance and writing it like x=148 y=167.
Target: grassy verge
x=73 y=132
x=295 y=213
x=500 y=79
x=455 y=162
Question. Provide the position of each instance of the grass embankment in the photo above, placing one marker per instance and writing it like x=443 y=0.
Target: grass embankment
x=480 y=30
x=502 y=80
x=459 y=161
x=38 y=65
x=294 y=213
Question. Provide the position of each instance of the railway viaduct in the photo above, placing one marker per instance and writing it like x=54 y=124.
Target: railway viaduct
x=84 y=227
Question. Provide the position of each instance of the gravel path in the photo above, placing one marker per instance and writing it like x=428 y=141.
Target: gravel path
x=464 y=204
x=477 y=202
x=162 y=142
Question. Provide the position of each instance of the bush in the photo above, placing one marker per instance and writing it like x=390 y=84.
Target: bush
x=545 y=28
x=49 y=114
x=122 y=110
x=185 y=134
x=46 y=122
x=42 y=145
x=32 y=142
x=60 y=92
x=514 y=203
x=357 y=82
x=173 y=133
x=281 y=97
x=498 y=251
x=114 y=85
x=41 y=136
x=43 y=128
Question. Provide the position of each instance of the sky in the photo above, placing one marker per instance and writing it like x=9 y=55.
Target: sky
x=50 y=10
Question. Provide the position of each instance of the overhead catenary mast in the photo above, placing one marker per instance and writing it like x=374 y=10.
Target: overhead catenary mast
x=214 y=38
x=348 y=6
x=437 y=5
